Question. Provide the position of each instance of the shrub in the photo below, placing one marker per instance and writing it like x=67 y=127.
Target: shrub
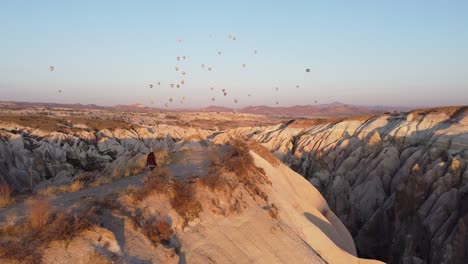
x=156 y=230
x=40 y=211
x=184 y=202
x=5 y=195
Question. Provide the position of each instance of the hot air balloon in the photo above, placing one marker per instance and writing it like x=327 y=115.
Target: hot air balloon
x=172 y=85
x=178 y=58
x=170 y=99
x=209 y=68
x=159 y=83
x=225 y=94
x=223 y=90
x=243 y=65
x=235 y=101
x=177 y=68
x=230 y=36
x=151 y=86
x=233 y=38
x=277 y=102
x=51 y=68
x=166 y=104
x=183 y=73
x=307 y=70
x=178 y=86
x=249 y=95
x=297 y=86
x=219 y=52
x=213 y=99
x=255 y=52
x=203 y=66
x=182 y=81
x=60 y=91
x=276 y=88
x=183 y=57
x=212 y=88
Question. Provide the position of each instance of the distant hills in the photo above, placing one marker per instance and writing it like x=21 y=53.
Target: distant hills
x=335 y=109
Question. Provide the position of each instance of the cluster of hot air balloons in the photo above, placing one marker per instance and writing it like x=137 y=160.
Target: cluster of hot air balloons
x=182 y=72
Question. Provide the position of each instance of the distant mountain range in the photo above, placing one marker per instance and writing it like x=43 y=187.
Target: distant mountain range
x=335 y=109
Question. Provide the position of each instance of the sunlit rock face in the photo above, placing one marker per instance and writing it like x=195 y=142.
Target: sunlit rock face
x=398 y=182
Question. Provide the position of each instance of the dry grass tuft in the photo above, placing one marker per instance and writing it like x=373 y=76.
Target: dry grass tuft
x=40 y=212
x=273 y=211
x=156 y=230
x=236 y=160
x=52 y=190
x=184 y=202
x=6 y=192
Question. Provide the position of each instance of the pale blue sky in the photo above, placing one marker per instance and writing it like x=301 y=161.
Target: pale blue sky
x=409 y=53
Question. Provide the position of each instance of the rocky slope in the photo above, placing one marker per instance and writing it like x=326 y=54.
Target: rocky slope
x=271 y=216
x=398 y=182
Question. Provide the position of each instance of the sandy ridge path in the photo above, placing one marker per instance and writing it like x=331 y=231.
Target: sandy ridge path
x=189 y=161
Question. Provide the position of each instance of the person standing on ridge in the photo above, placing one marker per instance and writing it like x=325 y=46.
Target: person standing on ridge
x=151 y=161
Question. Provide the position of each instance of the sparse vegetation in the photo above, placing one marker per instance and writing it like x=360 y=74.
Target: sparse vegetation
x=184 y=202
x=158 y=181
x=26 y=241
x=52 y=190
x=40 y=212
x=6 y=192
x=156 y=230
x=238 y=161
x=264 y=153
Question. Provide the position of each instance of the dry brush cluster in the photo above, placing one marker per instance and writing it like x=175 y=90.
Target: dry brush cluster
x=26 y=240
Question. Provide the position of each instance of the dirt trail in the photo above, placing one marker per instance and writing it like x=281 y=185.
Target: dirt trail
x=190 y=161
